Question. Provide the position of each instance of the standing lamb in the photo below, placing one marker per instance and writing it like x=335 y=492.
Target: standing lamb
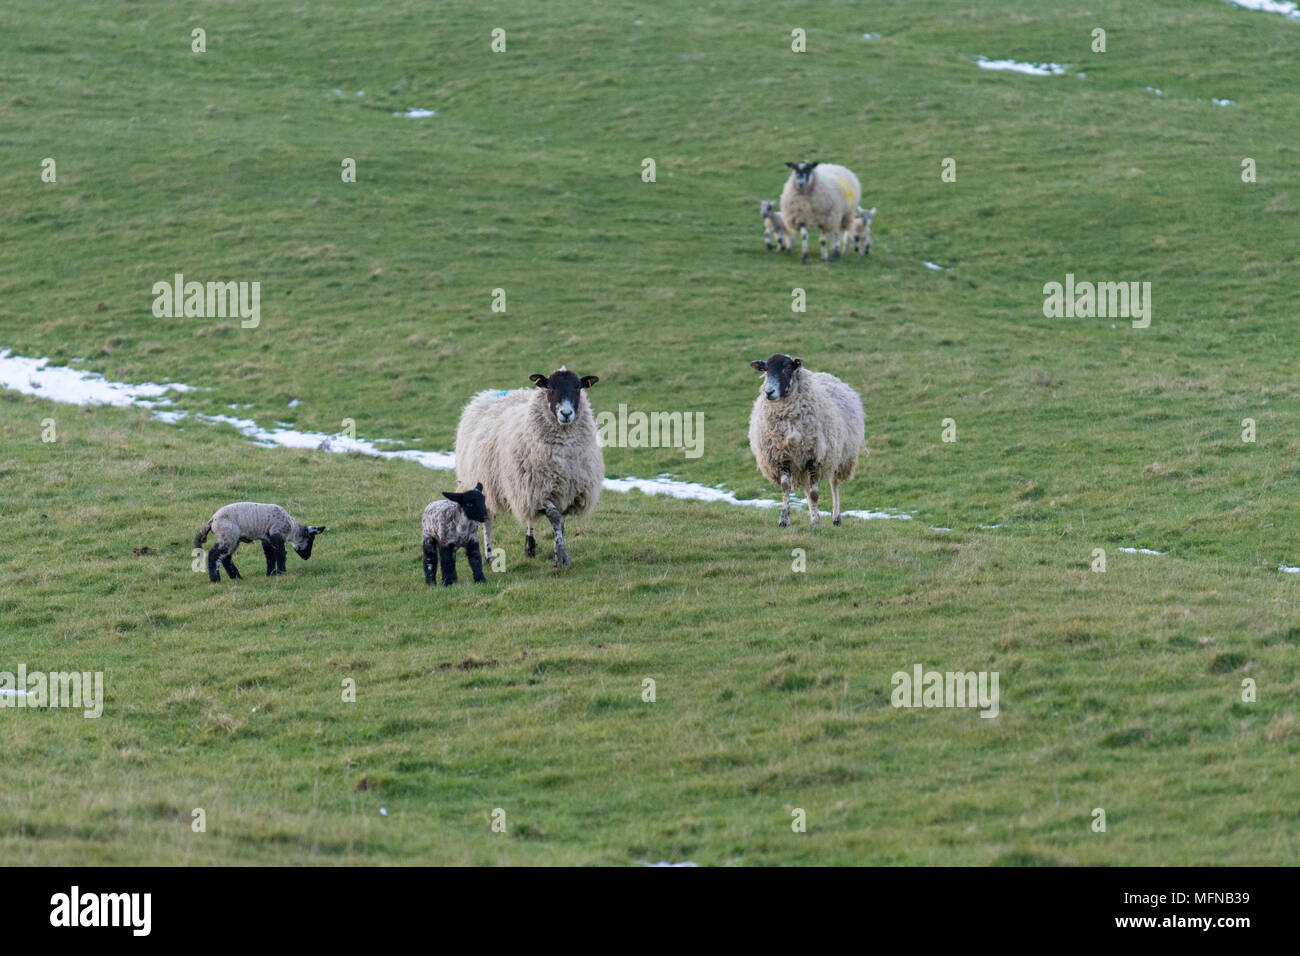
x=452 y=524
x=805 y=426
x=536 y=452
x=861 y=231
x=251 y=521
x=773 y=225
x=821 y=196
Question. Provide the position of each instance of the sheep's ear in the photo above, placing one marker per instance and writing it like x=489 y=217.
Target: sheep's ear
x=759 y=366
x=792 y=165
x=312 y=529
x=538 y=380
x=479 y=486
x=455 y=496
x=798 y=363
x=588 y=380
x=815 y=163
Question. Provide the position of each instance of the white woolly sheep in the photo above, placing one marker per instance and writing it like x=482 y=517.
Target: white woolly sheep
x=822 y=196
x=805 y=426
x=451 y=524
x=535 y=452
x=773 y=225
x=251 y=521
x=860 y=233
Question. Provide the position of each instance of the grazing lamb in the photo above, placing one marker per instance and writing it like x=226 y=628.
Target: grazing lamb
x=536 y=453
x=821 y=196
x=250 y=521
x=805 y=426
x=861 y=231
x=452 y=524
x=774 y=225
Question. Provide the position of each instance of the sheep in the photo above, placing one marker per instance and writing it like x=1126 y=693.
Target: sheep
x=536 y=452
x=251 y=521
x=860 y=233
x=452 y=524
x=823 y=196
x=804 y=426
x=773 y=225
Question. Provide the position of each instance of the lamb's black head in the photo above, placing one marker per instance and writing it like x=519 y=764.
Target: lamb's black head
x=305 y=538
x=471 y=502
x=564 y=392
x=780 y=369
x=803 y=173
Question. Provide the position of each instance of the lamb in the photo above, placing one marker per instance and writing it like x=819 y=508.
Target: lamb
x=823 y=196
x=804 y=426
x=452 y=524
x=251 y=521
x=774 y=225
x=861 y=231
x=536 y=452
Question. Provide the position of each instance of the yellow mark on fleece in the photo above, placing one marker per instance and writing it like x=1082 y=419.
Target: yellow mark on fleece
x=846 y=187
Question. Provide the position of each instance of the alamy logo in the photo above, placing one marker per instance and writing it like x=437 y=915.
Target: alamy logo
x=215 y=300
x=656 y=430
x=78 y=689
x=924 y=688
x=103 y=909
x=1102 y=300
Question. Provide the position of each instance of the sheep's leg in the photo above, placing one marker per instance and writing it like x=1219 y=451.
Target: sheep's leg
x=821 y=237
x=767 y=239
x=814 y=495
x=530 y=543
x=274 y=551
x=213 y=557
x=803 y=232
x=785 y=499
x=835 y=501
x=835 y=245
x=557 y=524
x=487 y=536
x=430 y=548
x=268 y=549
x=227 y=562
x=475 y=561
x=280 y=554
x=447 y=558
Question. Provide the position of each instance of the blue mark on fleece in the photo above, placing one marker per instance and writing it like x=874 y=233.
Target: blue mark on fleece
x=502 y=391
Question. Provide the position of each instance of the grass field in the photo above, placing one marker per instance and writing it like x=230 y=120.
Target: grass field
x=1120 y=690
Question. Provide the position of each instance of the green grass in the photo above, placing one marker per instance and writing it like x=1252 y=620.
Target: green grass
x=1119 y=690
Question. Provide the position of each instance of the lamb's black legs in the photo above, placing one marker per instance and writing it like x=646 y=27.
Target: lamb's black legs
x=475 y=561
x=530 y=543
x=275 y=552
x=557 y=525
x=430 y=566
x=447 y=558
x=213 y=557
x=229 y=565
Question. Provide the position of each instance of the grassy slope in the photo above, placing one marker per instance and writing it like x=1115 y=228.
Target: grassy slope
x=773 y=686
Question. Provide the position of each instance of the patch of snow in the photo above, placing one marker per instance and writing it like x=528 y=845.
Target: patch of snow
x=414 y=113
x=1029 y=69
x=937 y=268
x=1288 y=570
x=35 y=376
x=1285 y=7
x=1138 y=551
x=1223 y=102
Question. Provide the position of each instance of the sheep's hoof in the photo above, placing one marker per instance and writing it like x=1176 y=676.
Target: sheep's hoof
x=530 y=547
x=562 y=560
x=784 y=522
x=835 y=254
x=805 y=259
x=837 y=522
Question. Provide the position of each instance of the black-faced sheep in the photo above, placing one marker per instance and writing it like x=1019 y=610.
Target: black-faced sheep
x=821 y=196
x=251 y=521
x=451 y=524
x=773 y=226
x=536 y=453
x=805 y=426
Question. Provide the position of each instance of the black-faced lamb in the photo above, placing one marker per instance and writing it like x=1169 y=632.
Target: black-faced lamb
x=821 y=196
x=805 y=426
x=251 y=521
x=773 y=226
x=536 y=453
x=450 y=524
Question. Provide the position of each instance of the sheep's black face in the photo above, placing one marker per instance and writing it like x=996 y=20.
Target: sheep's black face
x=779 y=371
x=564 y=392
x=803 y=173
x=471 y=502
x=308 y=536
